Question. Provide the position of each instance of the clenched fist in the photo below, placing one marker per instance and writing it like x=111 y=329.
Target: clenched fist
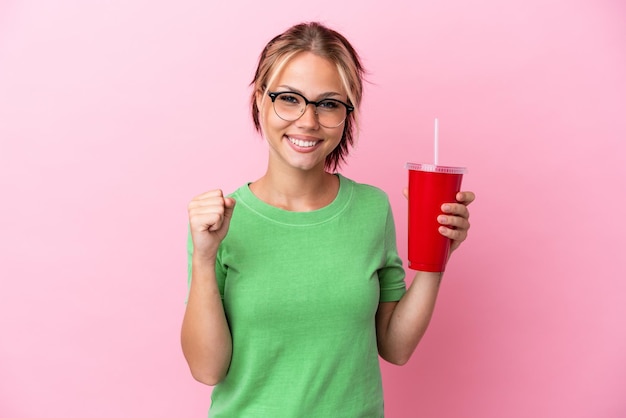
x=209 y=219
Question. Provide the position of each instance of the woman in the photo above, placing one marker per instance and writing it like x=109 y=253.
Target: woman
x=296 y=286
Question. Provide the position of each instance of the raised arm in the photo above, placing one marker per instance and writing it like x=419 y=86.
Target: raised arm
x=205 y=335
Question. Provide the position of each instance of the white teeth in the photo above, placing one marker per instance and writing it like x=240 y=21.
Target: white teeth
x=302 y=143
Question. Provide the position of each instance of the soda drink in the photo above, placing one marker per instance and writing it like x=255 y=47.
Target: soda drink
x=430 y=186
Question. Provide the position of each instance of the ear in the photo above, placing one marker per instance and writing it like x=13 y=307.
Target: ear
x=259 y=99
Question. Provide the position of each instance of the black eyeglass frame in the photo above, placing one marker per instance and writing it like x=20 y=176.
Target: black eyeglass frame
x=274 y=94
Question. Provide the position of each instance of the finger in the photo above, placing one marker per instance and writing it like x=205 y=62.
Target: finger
x=207 y=201
x=457 y=209
x=217 y=225
x=209 y=194
x=210 y=221
x=458 y=235
x=201 y=211
x=454 y=222
x=229 y=202
x=405 y=192
x=465 y=197
x=207 y=206
x=229 y=207
x=206 y=214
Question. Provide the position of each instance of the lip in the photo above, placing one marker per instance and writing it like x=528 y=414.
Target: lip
x=301 y=149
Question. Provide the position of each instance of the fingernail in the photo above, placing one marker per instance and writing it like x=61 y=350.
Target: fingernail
x=442 y=219
x=445 y=208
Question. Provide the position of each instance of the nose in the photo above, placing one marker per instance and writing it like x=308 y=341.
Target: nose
x=309 y=117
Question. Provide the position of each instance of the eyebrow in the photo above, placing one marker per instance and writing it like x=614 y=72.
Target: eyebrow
x=322 y=96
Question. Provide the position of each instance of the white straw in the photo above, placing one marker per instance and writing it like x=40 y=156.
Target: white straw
x=436 y=142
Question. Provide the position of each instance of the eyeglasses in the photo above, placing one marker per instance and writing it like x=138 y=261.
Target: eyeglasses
x=290 y=106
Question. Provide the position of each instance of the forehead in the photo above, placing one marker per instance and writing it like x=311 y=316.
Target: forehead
x=309 y=72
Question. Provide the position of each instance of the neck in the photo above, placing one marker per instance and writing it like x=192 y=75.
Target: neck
x=296 y=190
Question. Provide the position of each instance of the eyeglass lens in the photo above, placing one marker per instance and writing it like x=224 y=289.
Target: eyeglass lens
x=290 y=107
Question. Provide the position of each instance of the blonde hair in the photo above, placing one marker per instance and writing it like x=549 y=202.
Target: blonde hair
x=318 y=39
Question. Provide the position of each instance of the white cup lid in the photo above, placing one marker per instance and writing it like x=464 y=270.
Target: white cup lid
x=432 y=168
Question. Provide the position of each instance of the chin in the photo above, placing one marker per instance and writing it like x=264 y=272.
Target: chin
x=307 y=166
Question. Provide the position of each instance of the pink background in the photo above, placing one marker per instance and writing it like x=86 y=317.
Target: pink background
x=114 y=114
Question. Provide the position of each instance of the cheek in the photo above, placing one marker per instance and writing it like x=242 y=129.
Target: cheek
x=267 y=113
x=270 y=121
x=337 y=136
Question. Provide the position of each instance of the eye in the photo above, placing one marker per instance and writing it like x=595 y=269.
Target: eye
x=289 y=99
x=328 y=105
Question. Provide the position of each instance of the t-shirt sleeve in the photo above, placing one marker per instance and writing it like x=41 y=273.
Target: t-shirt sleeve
x=220 y=270
x=391 y=275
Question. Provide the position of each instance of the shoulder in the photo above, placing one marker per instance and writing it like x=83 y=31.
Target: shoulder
x=240 y=191
x=243 y=196
x=367 y=192
x=368 y=201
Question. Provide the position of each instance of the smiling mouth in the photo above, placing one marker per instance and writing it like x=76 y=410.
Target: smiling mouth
x=302 y=143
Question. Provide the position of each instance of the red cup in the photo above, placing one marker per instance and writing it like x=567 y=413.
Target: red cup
x=430 y=186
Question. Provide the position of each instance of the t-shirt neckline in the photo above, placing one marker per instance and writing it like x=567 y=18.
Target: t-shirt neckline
x=245 y=196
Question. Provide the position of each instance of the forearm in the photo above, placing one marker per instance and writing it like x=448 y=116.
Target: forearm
x=409 y=319
x=205 y=335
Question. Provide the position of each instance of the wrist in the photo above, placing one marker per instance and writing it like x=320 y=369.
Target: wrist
x=203 y=259
x=429 y=276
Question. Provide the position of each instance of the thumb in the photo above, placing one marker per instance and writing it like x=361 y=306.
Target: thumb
x=229 y=206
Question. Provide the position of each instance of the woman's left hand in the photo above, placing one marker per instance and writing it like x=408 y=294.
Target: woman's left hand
x=455 y=220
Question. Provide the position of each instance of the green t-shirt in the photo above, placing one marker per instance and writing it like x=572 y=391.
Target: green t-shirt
x=300 y=291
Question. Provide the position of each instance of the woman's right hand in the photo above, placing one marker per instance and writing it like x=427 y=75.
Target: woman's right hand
x=209 y=220
x=205 y=335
